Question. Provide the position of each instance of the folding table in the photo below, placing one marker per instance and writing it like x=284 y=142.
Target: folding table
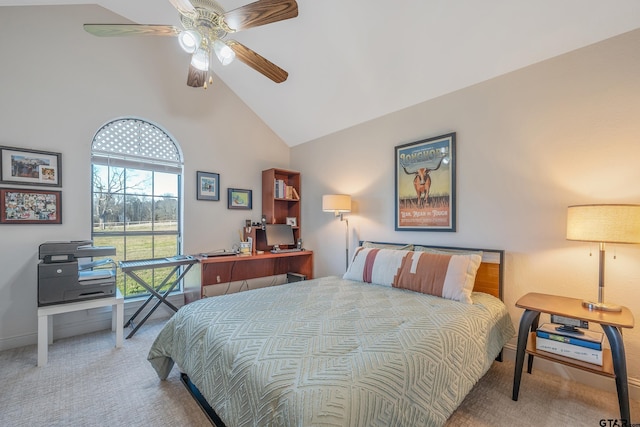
x=130 y=268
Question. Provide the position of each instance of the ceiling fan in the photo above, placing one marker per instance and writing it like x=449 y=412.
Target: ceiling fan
x=205 y=28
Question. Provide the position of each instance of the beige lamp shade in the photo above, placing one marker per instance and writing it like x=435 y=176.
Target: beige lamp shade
x=604 y=223
x=336 y=203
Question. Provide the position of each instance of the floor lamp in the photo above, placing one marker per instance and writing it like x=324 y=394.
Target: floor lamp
x=603 y=224
x=339 y=204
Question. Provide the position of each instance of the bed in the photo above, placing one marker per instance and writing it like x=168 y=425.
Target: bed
x=345 y=351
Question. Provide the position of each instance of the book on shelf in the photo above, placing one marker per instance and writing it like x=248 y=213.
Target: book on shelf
x=582 y=338
x=282 y=190
x=584 y=354
x=279 y=189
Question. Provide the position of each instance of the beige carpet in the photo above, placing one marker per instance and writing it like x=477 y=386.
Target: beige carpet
x=88 y=382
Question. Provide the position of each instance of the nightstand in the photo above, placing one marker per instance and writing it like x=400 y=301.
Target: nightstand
x=614 y=360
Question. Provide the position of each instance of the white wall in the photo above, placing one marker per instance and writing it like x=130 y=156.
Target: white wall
x=59 y=84
x=529 y=144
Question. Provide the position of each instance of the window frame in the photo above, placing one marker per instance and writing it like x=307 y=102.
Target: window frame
x=135 y=144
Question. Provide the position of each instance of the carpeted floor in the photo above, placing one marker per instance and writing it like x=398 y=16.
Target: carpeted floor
x=88 y=382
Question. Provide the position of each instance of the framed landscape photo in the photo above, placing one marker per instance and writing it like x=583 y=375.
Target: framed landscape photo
x=425 y=184
x=239 y=199
x=208 y=186
x=20 y=206
x=30 y=167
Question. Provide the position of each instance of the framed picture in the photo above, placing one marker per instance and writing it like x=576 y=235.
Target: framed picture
x=425 y=184
x=20 y=206
x=292 y=221
x=30 y=167
x=208 y=186
x=239 y=199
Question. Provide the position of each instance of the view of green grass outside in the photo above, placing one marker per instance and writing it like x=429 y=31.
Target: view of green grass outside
x=139 y=246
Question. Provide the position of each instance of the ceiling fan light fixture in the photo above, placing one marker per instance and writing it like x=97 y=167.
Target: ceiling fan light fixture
x=225 y=54
x=189 y=40
x=200 y=59
x=204 y=23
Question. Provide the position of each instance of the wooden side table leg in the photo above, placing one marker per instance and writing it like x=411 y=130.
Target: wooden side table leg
x=526 y=321
x=43 y=338
x=534 y=326
x=620 y=369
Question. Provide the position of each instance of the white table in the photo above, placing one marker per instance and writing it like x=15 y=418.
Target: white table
x=45 y=323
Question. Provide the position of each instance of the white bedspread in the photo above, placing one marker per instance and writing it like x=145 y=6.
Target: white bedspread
x=333 y=352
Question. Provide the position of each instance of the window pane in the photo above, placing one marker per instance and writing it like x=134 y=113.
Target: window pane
x=165 y=246
x=118 y=243
x=139 y=247
x=97 y=220
x=115 y=181
x=139 y=181
x=107 y=212
x=165 y=214
x=138 y=210
x=100 y=177
x=165 y=184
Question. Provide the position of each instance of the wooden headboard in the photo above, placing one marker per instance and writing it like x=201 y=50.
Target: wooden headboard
x=489 y=276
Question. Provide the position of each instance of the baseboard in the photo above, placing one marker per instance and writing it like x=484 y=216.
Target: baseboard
x=592 y=380
x=86 y=321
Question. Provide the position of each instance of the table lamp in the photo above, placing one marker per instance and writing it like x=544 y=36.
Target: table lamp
x=338 y=204
x=603 y=224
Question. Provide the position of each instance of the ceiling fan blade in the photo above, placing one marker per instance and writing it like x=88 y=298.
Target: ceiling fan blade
x=260 y=13
x=258 y=62
x=114 y=30
x=184 y=7
x=196 y=78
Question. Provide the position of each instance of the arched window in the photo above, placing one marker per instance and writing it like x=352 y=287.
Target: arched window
x=136 y=195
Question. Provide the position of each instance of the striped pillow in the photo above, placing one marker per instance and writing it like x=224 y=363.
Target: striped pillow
x=448 y=276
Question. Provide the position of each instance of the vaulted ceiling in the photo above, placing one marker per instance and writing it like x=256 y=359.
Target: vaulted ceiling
x=350 y=61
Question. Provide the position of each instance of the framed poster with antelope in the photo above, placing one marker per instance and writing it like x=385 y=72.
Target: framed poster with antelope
x=425 y=184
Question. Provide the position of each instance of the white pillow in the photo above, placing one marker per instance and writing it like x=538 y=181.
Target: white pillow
x=450 y=276
x=396 y=246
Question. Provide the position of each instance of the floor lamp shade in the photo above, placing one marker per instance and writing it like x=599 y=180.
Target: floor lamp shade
x=336 y=203
x=603 y=224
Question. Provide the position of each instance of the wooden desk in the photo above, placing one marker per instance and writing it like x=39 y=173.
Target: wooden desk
x=614 y=360
x=221 y=270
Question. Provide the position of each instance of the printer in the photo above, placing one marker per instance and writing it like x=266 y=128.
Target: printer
x=63 y=277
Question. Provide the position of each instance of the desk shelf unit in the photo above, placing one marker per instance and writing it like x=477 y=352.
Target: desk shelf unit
x=278 y=209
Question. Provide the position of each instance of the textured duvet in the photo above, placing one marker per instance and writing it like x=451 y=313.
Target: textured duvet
x=333 y=352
